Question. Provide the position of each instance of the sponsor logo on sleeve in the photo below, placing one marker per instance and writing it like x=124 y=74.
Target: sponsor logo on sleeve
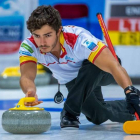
x=90 y=45
x=68 y=58
x=27 y=47
x=24 y=53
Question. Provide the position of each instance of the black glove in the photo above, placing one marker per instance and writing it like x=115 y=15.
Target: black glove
x=132 y=99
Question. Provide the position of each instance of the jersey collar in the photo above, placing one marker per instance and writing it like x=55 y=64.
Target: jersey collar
x=63 y=50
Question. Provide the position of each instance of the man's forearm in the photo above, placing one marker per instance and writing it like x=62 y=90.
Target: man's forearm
x=27 y=84
x=121 y=77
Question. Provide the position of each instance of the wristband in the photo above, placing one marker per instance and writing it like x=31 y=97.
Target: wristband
x=132 y=89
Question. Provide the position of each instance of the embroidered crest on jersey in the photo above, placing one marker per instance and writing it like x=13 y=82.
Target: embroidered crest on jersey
x=90 y=45
x=27 y=47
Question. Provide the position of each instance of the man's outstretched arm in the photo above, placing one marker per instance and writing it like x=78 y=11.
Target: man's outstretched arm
x=28 y=74
x=108 y=63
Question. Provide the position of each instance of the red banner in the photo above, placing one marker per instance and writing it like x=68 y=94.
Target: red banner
x=9 y=47
x=124 y=24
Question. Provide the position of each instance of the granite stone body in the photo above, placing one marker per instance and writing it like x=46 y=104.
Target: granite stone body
x=26 y=122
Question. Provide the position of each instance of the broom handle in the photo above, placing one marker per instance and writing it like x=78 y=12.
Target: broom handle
x=108 y=41
x=106 y=35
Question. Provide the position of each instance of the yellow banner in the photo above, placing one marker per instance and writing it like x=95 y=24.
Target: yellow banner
x=125 y=38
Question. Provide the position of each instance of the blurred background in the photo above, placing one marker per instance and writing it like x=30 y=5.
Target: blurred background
x=122 y=18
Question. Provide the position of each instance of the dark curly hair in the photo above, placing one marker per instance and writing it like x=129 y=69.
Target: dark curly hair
x=44 y=15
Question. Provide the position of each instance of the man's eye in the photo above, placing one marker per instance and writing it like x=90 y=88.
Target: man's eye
x=37 y=36
x=47 y=35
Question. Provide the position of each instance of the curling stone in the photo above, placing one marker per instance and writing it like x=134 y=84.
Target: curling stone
x=26 y=120
x=11 y=74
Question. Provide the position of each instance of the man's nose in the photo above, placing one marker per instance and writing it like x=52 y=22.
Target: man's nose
x=42 y=41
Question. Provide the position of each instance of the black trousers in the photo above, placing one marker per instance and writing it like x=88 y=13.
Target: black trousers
x=85 y=96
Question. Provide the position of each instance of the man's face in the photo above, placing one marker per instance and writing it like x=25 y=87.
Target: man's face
x=45 y=38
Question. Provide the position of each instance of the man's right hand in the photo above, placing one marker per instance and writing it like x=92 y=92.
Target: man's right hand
x=32 y=94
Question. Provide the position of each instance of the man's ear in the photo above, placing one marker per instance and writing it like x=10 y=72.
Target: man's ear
x=59 y=31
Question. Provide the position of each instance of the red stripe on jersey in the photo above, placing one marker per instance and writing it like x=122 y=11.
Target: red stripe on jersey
x=48 y=64
x=51 y=63
x=27 y=62
x=67 y=62
x=57 y=63
x=70 y=38
x=33 y=41
x=64 y=51
x=99 y=53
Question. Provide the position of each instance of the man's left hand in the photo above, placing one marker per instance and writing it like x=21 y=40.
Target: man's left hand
x=133 y=101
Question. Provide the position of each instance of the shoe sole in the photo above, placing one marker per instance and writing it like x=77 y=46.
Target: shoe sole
x=64 y=127
x=69 y=128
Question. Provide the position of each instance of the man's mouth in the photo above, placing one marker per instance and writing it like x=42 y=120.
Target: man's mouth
x=44 y=47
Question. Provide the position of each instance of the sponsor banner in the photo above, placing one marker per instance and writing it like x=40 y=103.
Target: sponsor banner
x=124 y=31
x=11 y=25
x=11 y=34
x=125 y=10
x=125 y=38
x=13 y=30
x=9 y=47
x=123 y=24
x=122 y=18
